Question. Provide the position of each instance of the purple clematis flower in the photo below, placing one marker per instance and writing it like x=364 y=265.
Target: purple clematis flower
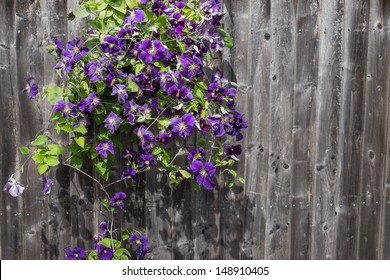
x=65 y=66
x=14 y=188
x=103 y=227
x=158 y=7
x=129 y=154
x=90 y=103
x=76 y=50
x=59 y=47
x=145 y=136
x=67 y=109
x=31 y=88
x=183 y=126
x=192 y=66
x=130 y=110
x=104 y=253
x=94 y=71
x=121 y=91
x=203 y=173
x=112 y=122
x=141 y=243
x=105 y=146
x=129 y=174
x=48 y=184
x=137 y=15
x=118 y=200
x=111 y=44
x=151 y=50
x=195 y=154
x=163 y=138
x=233 y=150
x=147 y=160
x=76 y=254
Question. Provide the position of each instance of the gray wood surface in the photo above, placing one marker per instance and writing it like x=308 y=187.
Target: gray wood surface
x=314 y=83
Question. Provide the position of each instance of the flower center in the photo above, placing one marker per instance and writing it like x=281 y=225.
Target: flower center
x=76 y=49
x=95 y=101
x=182 y=126
x=193 y=67
x=105 y=146
x=203 y=173
x=153 y=50
x=66 y=109
x=112 y=121
x=119 y=202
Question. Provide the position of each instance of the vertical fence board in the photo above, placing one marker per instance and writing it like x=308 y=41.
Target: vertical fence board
x=257 y=141
x=305 y=92
x=351 y=126
x=374 y=136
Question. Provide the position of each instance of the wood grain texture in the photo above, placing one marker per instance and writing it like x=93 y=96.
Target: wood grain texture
x=314 y=84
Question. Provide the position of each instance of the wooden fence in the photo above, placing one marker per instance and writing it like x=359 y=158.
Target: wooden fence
x=314 y=79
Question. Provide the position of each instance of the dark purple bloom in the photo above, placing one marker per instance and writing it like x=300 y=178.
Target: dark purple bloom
x=121 y=91
x=145 y=136
x=136 y=16
x=129 y=174
x=48 y=184
x=118 y=200
x=105 y=146
x=203 y=173
x=83 y=120
x=67 y=109
x=130 y=110
x=14 y=188
x=103 y=227
x=90 y=103
x=31 y=88
x=111 y=44
x=233 y=150
x=195 y=154
x=64 y=66
x=147 y=160
x=203 y=126
x=163 y=138
x=141 y=243
x=76 y=254
x=152 y=50
x=183 y=126
x=59 y=47
x=76 y=50
x=129 y=154
x=158 y=7
x=104 y=253
x=112 y=122
x=192 y=66
x=94 y=71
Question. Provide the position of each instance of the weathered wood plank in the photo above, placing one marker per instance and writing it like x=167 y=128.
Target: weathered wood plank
x=277 y=242
x=327 y=158
x=305 y=92
x=374 y=136
x=351 y=125
x=257 y=141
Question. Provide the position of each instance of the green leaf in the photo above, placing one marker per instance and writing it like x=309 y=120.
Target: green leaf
x=52 y=161
x=226 y=37
x=103 y=170
x=185 y=174
x=24 y=150
x=138 y=68
x=122 y=254
x=80 y=141
x=163 y=122
x=55 y=150
x=80 y=13
x=40 y=140
x=127 y=233
x=231 y=171
x=93 y=255
x=81 y=129
x=241 y=180
x=42 y=168
x=76 y=161
x=106 y=242
x=131 y=86
x=54 y=94
x=230 y=184
x=38 y=158
x=131 y=3
x=182 y=46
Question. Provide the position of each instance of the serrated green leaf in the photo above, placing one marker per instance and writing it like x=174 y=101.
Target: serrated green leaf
x=80 y=141
x=55 y=150
x=40 y=140
x=24 y=150
x=42 y=168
